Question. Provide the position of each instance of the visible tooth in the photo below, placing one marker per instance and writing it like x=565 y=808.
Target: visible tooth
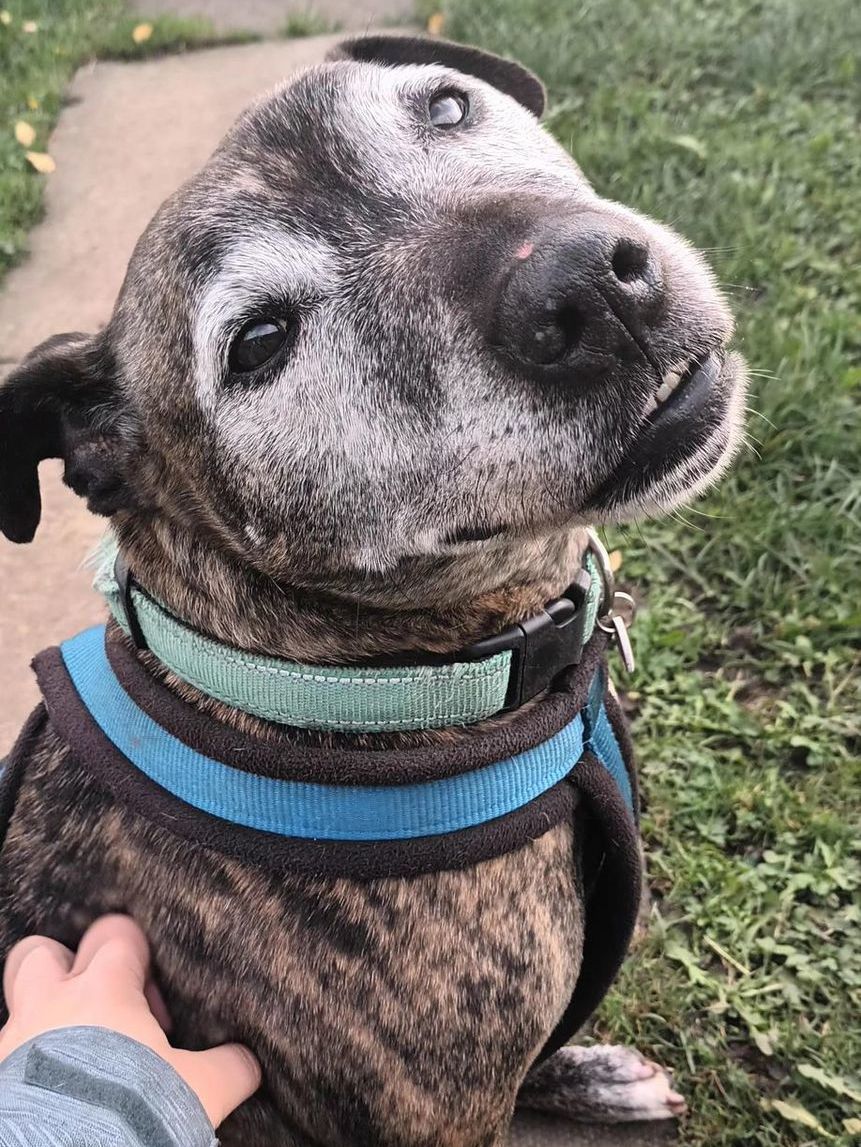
x=651 y=406
x=664 y=391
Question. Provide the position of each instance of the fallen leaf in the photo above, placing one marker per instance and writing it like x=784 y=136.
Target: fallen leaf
x=41 y=161
x=615 y=560
x=795 y=1113
x=762 y=1041
x=436 y=23
x=32 y=103
x=834 y=1083
x=25 y=133
x=5 y=17
x=141 y=33
x=30 y=26
x=690 y=143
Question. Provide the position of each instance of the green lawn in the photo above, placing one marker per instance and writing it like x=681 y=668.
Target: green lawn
x=737 y=122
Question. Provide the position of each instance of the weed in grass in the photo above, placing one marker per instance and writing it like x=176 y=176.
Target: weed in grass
x=737 y=122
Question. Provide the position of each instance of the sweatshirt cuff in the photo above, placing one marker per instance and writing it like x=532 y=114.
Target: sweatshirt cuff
x=115 y=1074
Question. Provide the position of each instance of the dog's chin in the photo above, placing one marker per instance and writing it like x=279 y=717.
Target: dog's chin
x=681 y=447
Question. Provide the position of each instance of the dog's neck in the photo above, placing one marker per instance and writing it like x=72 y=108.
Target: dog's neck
x=428 y=608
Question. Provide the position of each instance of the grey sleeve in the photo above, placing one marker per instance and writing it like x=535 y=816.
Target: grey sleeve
x=87 y=1086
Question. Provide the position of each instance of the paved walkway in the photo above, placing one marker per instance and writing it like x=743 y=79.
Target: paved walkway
x=129 y=135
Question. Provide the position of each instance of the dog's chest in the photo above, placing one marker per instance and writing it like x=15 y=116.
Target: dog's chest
x=381 y=1009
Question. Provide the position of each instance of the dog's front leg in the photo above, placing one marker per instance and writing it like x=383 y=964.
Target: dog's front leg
x=601 y=1084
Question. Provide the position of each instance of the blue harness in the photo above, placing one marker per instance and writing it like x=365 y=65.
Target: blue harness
x=312 y=811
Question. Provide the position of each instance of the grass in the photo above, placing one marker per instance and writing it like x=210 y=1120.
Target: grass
x=42 y=42
x=307 y=23
x=737 y=122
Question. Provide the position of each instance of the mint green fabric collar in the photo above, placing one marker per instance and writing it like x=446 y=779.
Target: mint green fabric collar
x=362 y=699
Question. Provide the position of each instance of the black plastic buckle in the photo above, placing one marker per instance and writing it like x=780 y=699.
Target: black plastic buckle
x=123 y=578
x=541 y=646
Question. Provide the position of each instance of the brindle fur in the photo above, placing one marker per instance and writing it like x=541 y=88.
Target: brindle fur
x=390 y=1012
x=316 y=516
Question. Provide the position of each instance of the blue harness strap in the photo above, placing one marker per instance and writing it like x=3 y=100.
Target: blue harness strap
x=600 y=739
x=334 y=812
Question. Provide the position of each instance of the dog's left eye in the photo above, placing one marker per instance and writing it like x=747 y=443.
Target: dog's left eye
x=447 y=109
x=257 y=342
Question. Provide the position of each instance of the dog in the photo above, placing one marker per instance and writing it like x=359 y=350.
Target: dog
x=371 y=374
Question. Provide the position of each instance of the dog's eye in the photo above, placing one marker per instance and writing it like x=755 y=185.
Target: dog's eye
x=447 y=109
x=257 y=342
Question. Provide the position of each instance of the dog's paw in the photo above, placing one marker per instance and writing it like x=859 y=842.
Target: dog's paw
x=601 y=1084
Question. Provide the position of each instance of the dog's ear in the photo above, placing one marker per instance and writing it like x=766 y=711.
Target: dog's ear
x=60 y=402
x=510 y=77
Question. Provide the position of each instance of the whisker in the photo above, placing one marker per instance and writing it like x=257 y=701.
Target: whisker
x=758 y=414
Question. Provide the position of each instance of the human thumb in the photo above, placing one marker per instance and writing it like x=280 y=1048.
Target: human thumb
x=223 y=1077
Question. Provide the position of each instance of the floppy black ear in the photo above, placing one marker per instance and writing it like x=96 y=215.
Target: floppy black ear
x=59 y=403
x=508 y=76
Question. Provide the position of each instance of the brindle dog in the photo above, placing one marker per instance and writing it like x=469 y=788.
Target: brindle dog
x=371 y=372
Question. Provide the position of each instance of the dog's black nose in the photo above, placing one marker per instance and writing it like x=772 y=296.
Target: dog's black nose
x=580 y=295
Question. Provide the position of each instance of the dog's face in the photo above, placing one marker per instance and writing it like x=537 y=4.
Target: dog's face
x=388 y=321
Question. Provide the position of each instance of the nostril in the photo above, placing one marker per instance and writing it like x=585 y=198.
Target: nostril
x=630 y=260
x=558 y=333
x=573 y=324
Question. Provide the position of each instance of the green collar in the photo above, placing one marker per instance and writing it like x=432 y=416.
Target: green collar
x=489 y=677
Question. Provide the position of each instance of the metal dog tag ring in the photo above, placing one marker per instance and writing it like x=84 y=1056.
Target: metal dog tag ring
x=608 y=578
x=622 y=641
x=617 y=623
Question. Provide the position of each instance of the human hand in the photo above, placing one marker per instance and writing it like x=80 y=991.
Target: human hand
x=103 y=985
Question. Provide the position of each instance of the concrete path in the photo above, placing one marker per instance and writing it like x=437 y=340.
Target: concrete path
x=130 y=135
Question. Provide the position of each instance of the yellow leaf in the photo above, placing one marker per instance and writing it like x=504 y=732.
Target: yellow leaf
x=24 y=133
x=32 y=103
x=41 y=161
x=141 y=33
x=615 y=560
x=436 y=23
x=30 y=26
x=5 y=17
x=795 y=1113
x=852 y=1126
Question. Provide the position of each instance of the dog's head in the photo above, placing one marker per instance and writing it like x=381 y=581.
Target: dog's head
x=389 y=321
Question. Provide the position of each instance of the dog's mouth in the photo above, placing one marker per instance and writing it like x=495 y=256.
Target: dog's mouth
x=683 y=424
x=684 y=389
x=472 y=534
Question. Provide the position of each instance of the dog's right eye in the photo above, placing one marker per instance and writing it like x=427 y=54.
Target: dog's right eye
x=447 y=109
x=258 y=342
